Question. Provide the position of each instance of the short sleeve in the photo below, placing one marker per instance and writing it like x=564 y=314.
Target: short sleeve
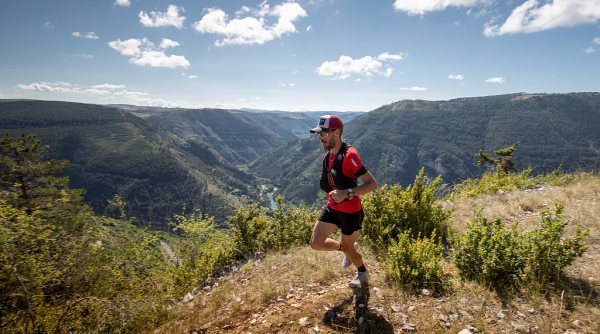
x=353 y=166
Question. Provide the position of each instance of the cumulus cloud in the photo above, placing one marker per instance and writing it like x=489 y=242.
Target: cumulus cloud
x=60 y=87
x=160 y=19
x=597 y=40
x=144 y=52
x=423 y=6
x=157 y=103
x=309 y=28
x=292 y=85
x=531 y=17
x=386 y=56
x=109 y=86
x=90 y=35
x=251 y=29
x=130 y=94
x=48 y=26
x=125 y=3
x=496 y=80
x=366 y=66
x=589 y=50
x=358 y=80
x=414 y=88
x=193 y=76
x=456 y=77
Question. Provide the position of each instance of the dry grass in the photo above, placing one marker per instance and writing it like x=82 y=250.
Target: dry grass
x=271 y=296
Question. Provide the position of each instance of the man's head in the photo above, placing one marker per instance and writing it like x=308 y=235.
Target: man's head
x=329 y=130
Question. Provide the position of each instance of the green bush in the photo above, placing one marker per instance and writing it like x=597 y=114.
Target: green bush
x=253 y=231
x=491 y=253
x=415 y=263
x=391 y=211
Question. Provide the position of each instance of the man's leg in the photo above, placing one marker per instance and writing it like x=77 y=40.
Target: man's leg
x=320 y=237
x=348 y=248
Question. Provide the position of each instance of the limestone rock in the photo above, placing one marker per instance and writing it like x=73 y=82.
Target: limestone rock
x=427 y=292
x=303 y=322
x=409 y=328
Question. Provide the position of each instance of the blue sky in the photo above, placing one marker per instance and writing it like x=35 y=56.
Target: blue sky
x=315 y=55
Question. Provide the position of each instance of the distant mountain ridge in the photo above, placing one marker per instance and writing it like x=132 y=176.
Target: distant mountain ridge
x=396 y=140
x=114 y=152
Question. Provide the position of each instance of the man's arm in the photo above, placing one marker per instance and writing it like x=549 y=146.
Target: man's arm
x=369 y=185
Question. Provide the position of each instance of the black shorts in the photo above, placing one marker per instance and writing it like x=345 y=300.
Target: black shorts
x=348 y=222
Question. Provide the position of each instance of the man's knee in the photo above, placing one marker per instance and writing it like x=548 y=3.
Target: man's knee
x=316 y=245
x=348 y=247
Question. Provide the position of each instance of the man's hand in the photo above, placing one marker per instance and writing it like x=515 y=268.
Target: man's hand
x=339 y=195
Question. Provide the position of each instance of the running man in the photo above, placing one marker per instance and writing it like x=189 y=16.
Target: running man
x=341 y=168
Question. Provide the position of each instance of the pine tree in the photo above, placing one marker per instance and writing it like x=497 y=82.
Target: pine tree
x=503 y=162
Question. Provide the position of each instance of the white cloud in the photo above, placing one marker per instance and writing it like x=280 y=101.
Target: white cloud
x=224 y=106
x=359 y=79
x=125 y=3
x=421 y=7
x=110 y=98
x=48 y=87
x=456 y=22
x=109 y=86
x=160 y=19
x=182 y=74
x=129 y=94
x=309 y=28
x=84 y=55
x=241 y=99
x=496 y=80
x=529 y=17
x=90 y=35
x=254 y=105
x=292 y=85
x=258 y=98
x=145 y=53
x=386 y=56
x=167 y=43
x=347 y=66
x=295 y=72
x=157 y=103
x=48 y=26
x=282 y=84
x=242 y=10
x=251 y=30
x=95 y=91
x=590 y=50
x=456 y=77
x=597 y=40
x=192 y=76
x=414 y=88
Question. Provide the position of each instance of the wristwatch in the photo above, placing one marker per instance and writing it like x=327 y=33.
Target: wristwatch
x=350 y=194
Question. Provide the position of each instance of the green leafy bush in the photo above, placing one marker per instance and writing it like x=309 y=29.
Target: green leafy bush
x=490 y=252
x=288 y=226
x=391 y=211
x=415 y=263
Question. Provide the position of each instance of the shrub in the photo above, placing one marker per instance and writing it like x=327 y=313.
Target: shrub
x=391 y=211
x=490 y=252
x=415 y=263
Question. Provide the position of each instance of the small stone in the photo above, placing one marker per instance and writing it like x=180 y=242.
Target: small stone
x=502 y=314
x=472 y=329
x=376 y=290
x=427 y=292
x=464 y=314
x=520 y=315
x=465 y=302
x=395 y=308
x=411 y=308
x=403 y=318
x=409 y=328
x=279 y=299
x=465 y=331
x=316 y=328
x=289 y=295
x=442 y=317
x=187 y=298
x=360 y=320
x=532 y=310
x=322 y=292
x=253 y=322
x=570 y=331
x=303 y=322
x=577 y=323
x=523 y=328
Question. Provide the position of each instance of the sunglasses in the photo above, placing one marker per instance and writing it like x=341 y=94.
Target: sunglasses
x=324 y=133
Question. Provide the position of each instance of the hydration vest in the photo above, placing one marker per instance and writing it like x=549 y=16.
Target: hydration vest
x=340 y=181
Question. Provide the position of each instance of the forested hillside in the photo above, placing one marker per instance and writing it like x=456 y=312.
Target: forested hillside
x=238 y=136
x=115 y=153
x=396 y=140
